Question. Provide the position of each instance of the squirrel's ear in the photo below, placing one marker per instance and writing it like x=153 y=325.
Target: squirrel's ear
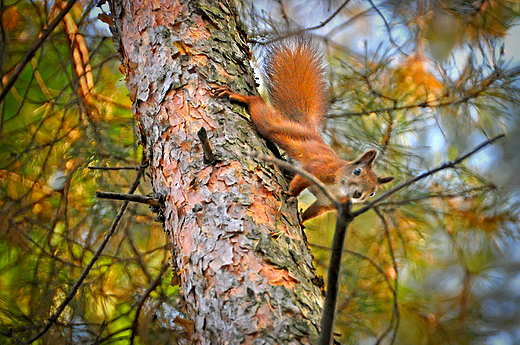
x=383 y=180
x=367 y=157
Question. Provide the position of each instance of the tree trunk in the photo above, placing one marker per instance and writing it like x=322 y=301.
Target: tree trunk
x=245 y=270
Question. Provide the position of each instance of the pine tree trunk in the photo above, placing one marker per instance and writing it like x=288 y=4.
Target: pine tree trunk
x=245 y=270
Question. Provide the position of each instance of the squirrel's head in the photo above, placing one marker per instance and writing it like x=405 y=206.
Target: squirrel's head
x=358 y=181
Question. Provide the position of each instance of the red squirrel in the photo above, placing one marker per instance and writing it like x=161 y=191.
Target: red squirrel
x=295 y=78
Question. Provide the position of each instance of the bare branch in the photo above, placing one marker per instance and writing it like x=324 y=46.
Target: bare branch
x=395 y=316
x=446 y=165
x=483 y=86
x=34 y=48
x=52 y=319
x=322 y=24
x=364 y=257
x=143 y=298
x=290 y=167
x=143 y=199
x=113 y=168
x=387 y=28
x=462 y=193
x=344 y=219
x=296 y=32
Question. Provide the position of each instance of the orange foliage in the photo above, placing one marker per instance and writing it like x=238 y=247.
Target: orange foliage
x=414 y=75
x=467 y=214
x=491 y=18
x=10 y=18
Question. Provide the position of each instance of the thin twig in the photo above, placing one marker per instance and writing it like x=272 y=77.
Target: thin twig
x=387 y=28
x=298 y=32
x=143 y=199
x=323 y=23
x=345 y=217
x=113 y=168
x=290 y=167
x=446 y=165
x=34 y=48
x=143 y=298
x=395 y=288
x=341 y=26
x=462 y=193
x=438 y=103
x=52 y=319
x=343 y=220
x=362 y=256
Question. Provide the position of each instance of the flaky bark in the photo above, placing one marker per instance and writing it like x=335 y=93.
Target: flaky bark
x=245 y=271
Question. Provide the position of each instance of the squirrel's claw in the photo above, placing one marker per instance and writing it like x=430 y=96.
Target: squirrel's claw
x=220 y=91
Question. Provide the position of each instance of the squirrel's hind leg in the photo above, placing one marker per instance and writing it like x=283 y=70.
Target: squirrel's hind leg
x=316 y=209
x=298 y=184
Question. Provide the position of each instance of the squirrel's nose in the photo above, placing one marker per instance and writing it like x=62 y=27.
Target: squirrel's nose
x=357 y=194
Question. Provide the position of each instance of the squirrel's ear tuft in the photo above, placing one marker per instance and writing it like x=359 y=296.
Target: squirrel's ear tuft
x=367 y=157
x=383 y=180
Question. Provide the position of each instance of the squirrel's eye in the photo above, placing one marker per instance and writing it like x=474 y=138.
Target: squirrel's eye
x=371 y=195
x=357 y=172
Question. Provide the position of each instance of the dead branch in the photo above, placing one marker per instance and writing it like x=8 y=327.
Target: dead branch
x=143 y=199
x=52 y=319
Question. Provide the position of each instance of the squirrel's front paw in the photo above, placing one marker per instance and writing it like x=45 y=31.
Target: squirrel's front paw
x=220 y=91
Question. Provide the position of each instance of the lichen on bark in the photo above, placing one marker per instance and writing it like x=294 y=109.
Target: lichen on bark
x=245 y=270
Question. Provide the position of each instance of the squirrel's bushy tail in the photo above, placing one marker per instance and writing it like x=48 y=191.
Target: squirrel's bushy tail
x=296 y=80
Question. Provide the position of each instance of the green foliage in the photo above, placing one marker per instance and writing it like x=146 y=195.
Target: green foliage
x=423 y=82
x=424 y=87
x=51 y=223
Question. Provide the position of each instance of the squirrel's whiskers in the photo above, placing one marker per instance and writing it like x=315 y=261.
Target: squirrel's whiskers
x=295 y=77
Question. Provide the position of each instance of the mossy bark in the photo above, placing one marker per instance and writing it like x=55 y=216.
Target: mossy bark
x=245 y=270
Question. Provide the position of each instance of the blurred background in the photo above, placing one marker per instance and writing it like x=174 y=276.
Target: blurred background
x=424 y=82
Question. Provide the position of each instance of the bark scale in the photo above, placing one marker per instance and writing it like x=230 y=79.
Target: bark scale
x=245 y=270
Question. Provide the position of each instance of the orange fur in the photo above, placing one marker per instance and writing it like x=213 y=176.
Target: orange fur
x=295 y=77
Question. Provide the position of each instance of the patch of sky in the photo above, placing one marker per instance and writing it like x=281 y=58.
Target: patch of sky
x=501 y=338
x=486 y=159
x=488 y=281
x=514 y=286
